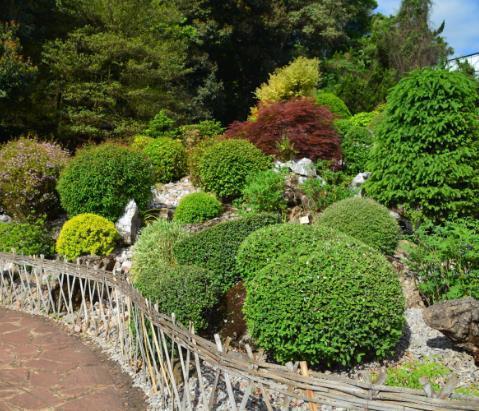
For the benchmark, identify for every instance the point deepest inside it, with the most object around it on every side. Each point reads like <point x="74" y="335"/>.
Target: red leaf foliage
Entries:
<point x="308" y="126"/>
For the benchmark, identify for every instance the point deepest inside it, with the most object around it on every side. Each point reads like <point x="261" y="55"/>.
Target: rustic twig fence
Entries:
<point x="190" y="372"/>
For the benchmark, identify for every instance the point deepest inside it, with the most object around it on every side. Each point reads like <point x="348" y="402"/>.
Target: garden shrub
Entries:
<point x="29" y="170"/>
<point x="140" y="142"/>
<point x="337" y="302"/>
<point x="192" y="134"/>
<point x="168" y="157"/>
<point x="225" y="166"/>
<point x="215" y="248"/>
<point x="87" y="234"/>
<point x="196" y="208"/>
<point x="365" y="220"/>
<point x="356" y="146"/>
<point x="264" y="192"/>
<point x="188" y="292"/>
<point x="25" y="239"/>
<point x="321" y="194"/>
<point x="153" y="249"/>
<point x="445" y="260"/>
<point x="337" y="106"/>
<point x="363" y="119"/>
<point x="426" y="152"/>
<point x="297" y="79"/>
<point x="103" y="179"/>
<point x="265" y="245"/>
<point x="307" y="126"/>
<point x="162" y="125"/>
<point x="194" y="156"/>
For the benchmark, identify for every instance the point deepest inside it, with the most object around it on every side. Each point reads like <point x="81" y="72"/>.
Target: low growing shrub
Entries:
<point x="188" y="292"/>
<point x="445" y="260"/>
<point x="321" y="194"/>
<point x="215" y="248"/>
<point x="25" y="239"/>
<point x="264" y="192"/>
<point x="356" y="146"/>
<point x="337" y="106"/>
<point x="140" y="142"/>
<point x="168" y="157"/>
<point x="196" y="208"/>
<point x="365" y="220"/>
<point x="307" y="127"/>
<point x="225" y="166"/>
<point x="87" y="234"/>
<point x="103" y="179"/>
<point x="192" y="134"/>
<point x="194" y="156"/>
<point x="265" y="245"/>
<point x="338" y="302"/>
<point x="162" y="125"/>
<point x="29" y="170"/>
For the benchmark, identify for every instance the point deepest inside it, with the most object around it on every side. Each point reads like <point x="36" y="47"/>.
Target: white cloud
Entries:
<point x="462" y="28"/>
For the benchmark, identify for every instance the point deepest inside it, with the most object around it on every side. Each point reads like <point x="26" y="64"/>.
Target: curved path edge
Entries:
<point x="43" y="366"/>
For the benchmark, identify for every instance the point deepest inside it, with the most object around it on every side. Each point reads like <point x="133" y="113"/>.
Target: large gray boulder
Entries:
<point x="459" y="321"/>
<point x="129" y="223"/>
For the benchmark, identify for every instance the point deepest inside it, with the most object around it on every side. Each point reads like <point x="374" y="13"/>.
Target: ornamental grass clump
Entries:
<point x="29" y="170"/>
<point x="364" y="219"/>
<point x="225" y="166"/>
<point x="25" y="239"/>
<point x="87" y="234"/>
<point x="196" y="208"/>
<point x="337" y="302"/>
<point x="215" y="248"/>
<point x="103" y="179"/>
<point x="426" y="153"/>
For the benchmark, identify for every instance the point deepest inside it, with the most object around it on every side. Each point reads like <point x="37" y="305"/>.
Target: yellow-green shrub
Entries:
<point x="87" y="234"/>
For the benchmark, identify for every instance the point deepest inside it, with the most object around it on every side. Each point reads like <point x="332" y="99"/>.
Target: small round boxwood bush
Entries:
<point x="196" y="208"/>
<point x="168" y="157"/>
<point x="25" y="239"/>
<point x="215" y="248"/>
<point x="154" y="248"/>
<point x="338" y="302"/>
<point x="334" y="103"/>
<point x="103" y="179"/>
<point x="265" y="245"/>
<point x="225" y="166"/>
<point x="188" y="292"/>
<point x="87" y="234"/>
<point x="194" y="156"/>
<point x="29" y="170"/>
<point x="365" y="220"/>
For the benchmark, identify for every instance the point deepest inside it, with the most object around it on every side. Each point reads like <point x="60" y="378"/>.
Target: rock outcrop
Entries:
<point x="459" y="321"/>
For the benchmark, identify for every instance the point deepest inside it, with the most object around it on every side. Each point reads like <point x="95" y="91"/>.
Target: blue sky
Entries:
<point x="462" y="21"/>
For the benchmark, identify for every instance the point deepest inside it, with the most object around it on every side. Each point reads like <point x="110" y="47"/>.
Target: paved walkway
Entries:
<point x="43" y="367"/>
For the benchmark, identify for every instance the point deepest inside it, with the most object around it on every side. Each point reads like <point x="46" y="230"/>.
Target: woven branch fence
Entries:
<point x="187" y="371"/>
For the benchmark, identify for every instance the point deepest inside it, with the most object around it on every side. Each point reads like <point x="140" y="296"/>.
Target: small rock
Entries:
<point x="304" y="167"/>
<point x="129" y="223"/>
<point x="458" y="320"/>
<point x="77" y="328"/>
<point x="5" y="218"/>
<point x="304" y="220"/>
<point x="359" y="180"/>
<point x="169" y="195"/>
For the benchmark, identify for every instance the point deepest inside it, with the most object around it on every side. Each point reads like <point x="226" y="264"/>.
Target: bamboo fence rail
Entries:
<point x="187" y="371"/>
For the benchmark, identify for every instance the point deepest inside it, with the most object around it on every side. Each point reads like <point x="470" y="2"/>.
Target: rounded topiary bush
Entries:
<point x="25" y="239"/>
<point x="168" y="157"/>
<point x="365" y="220"/>
<point x="426" y="152"/>
<point x="194" y="156"/>
<point x="337" y="106"/>
<point x="225" y="166"/>
<point x="337" y="302"/>
<point x="188" y="292"/>
<point x="87" y="234"/>
<point x="215" y="248"/>
<point x="196" y="208"/>
<point x="154" y="248"/>
<point x="265" y="245"/>
<point x="103" y="179"/>
<point x="29" y="170"/>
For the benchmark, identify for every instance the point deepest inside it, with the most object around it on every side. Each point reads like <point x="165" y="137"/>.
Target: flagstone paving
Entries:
<point x="44" y="367"/>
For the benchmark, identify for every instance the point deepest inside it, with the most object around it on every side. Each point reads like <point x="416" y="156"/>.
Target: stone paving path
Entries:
<point x="43" y="367"/>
